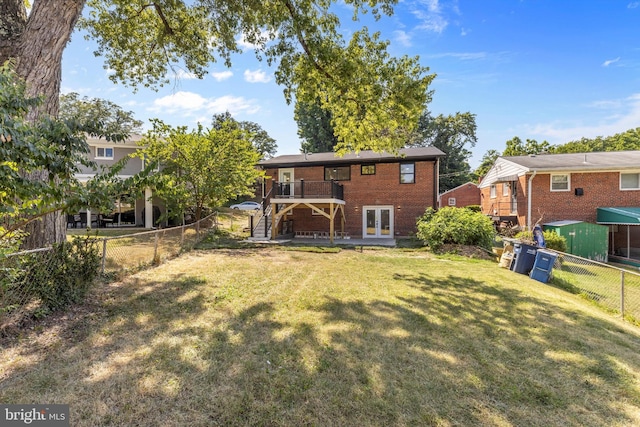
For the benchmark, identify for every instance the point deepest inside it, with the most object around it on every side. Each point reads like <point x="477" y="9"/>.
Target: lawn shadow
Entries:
<point x="450" y="351"/>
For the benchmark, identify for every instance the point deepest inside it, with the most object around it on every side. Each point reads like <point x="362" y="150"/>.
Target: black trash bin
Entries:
<point x="524" y="258"/>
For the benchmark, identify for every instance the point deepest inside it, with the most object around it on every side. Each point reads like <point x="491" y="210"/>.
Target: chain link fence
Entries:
<point x="122" y="255"/>
<point x="31" y="280"/>
<point x="614" y="289"/>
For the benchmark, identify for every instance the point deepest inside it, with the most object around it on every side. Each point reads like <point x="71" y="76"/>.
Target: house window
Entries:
<point x="505" y="189"/>
<point x="338" y="173"/>
<point x="368" y="170"/>
<point x="452" y="201"/>
<point x="492" y="191"/>
<point x="560" y="182"/>
<point x="316" y="213"/>
<point x="630" y="181"/>
<point x="104" y="153"/>
<point x="407" y="173"/>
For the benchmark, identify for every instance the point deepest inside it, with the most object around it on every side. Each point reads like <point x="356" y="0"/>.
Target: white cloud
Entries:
<point x="193" y="105"/>
<point x="403" y="38"/>
<point x="633" y="5"/>
<point x="257" y="76"/>
<point x="617" y="116"/>
<point x="430" y="15"/>
<point x="184" y="75"/>
<point x="610" y="61"/>
<point x="222" y="75"/>
<point x="463" y="56"/>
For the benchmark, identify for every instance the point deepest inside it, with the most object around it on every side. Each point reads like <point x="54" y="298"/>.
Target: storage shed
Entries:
<point x="583" y="238"/>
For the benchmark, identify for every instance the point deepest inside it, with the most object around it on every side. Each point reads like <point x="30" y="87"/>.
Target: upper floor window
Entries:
<point x="338" y="173"/>
<point x="452" y="201"/>
<point x="560" y="182"/>
<point x="492" y="191"/>
<point x="368" y="170"/>
<point x="505" y="189"/>
<point x="407" y="173"/>
<point x="630" y="181"/>
<point x="104" y="153"/>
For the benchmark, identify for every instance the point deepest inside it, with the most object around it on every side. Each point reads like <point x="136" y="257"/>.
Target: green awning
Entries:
<point x="618" y="216"/>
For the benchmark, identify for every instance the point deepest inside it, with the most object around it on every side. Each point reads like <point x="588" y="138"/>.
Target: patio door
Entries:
<point x="285" y="178"/>
<point x="377" y="221"/>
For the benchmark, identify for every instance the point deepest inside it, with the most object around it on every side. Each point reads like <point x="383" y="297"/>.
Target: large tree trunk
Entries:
<point x="37" y="49"/>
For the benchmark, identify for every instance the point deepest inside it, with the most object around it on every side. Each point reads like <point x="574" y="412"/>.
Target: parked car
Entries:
<point x="247" y="206"/>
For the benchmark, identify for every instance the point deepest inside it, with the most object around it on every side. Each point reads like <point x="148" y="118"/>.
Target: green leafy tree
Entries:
<point x="515" y="147"/>
<point x="314" y="127"/>
<point x="455" y="135"/>
<point x="99" y="113"/>
<point x="51" y="148"/>
<point x="202" y="168"/>
<point x="629" y="140"/>
<point x="374" y="99"/>
<point x="260" y="139"/>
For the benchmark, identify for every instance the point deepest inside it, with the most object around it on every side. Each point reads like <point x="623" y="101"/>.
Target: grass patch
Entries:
<point x="270" y="336"/>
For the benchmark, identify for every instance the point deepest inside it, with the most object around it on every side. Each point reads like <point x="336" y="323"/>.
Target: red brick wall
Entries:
<point x="601" y="189"/>
<point x="465" y="195"/>
<point x="409" y="201"/>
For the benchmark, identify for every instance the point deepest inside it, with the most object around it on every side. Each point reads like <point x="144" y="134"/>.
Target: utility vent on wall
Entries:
<point x="579" y="191"/>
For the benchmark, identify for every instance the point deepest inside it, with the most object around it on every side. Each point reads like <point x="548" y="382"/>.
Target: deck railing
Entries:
<point x="308" y="190"/>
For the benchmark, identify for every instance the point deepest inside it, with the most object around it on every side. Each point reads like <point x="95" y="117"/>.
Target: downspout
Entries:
<point x="529" y="201"/>
<point x="436" y="179"/>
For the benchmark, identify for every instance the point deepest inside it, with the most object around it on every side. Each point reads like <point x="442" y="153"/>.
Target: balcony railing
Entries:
<point x="308" y="190"/>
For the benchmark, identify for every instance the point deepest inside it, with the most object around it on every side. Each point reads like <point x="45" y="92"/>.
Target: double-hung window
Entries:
<point x="407" y="173"/>
<point x="630" y="181"/>
<point x="105" y="153"/>
<point x="560" y="182"/>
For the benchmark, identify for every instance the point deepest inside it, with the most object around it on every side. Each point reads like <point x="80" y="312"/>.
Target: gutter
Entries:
<point x="529" y="200"/>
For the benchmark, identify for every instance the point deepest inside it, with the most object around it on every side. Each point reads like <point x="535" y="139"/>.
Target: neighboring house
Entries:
<point x="590" y="187"/>
<point x="463" y="195"/>
<point x="368" y="195"/>
<point x="142" y="212"/>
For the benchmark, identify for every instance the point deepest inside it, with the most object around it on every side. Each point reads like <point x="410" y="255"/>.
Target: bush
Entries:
<point x="70" y="270"/>
<point x="457" y="226"/>
<point x="552" y="239"/>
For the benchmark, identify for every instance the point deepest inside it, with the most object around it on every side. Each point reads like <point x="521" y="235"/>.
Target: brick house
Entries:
<point x="577" y="186"/>
<point x="467" y="194"/>
<point x="368" y="195"/>
<point x="142" y="212"/>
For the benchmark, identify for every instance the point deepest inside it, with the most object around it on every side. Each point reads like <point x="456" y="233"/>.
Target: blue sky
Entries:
<point x="554" y="70"/>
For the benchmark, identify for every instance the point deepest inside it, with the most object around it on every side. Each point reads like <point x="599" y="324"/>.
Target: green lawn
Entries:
<point x="265" y="336"/>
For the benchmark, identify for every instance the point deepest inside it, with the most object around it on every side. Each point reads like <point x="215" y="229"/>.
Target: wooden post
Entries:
<point x="273" y="222"/>
<point x="332" y="226"/>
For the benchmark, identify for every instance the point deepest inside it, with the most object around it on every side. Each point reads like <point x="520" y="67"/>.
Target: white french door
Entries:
<point x="377" y="221"/>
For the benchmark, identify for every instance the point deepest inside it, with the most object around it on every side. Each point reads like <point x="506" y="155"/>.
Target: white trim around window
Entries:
<point x="104" y="153"/>
<point x="629" y="181"/>
<point x="492" y="191"/>
<point x="560" y="182"/>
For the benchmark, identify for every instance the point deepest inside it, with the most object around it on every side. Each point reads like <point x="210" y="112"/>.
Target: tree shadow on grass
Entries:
<point x="456" y="351"/>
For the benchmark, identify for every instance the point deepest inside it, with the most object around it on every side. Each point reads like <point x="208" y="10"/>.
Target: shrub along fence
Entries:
<point x="615" y="289"/>
<point x="33" y="283"/>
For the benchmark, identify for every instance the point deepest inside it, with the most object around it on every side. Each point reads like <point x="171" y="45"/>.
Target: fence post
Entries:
<point x="622" y="293"/>
<point x="155" y="247"/>
<point x="104" y="254"/>
<point x="182" y="237"/>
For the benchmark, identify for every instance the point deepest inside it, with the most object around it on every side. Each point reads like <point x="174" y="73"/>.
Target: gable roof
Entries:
<point x="510" y="167"/>
<point x="466" y="184"/>
<point x="605" y="160"/>
<point x="368" y="156"/>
